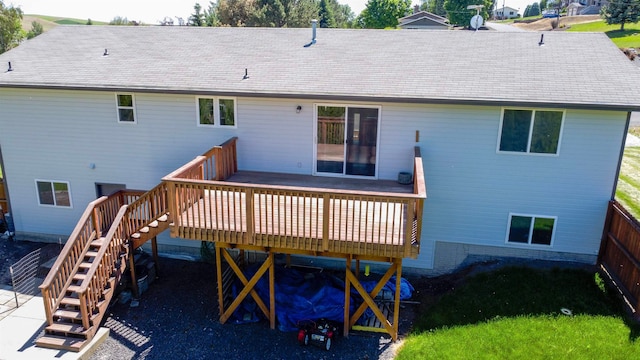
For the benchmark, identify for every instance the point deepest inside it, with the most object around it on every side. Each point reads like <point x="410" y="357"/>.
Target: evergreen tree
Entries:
<point x="543" y="4"/>
<point x="89" y="22"/>
<point x="527" y="11"/>
<point x="11" y="33"/>
<point x="269" y="13"/>
<point x="327" y="20"/>
<point x="621" y="12"/>
<point x="535" y="9"/>
<point x="197" y="18"/>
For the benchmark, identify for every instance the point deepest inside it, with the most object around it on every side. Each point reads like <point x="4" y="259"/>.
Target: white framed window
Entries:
<point x="529" y="229"/>
<point x="527" y="131"/>
<point x="53" y="193"/>
<point x="216" y="112"/>
<point x="126" y="106"/>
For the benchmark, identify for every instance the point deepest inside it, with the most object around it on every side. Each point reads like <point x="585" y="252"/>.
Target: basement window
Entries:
<point x="216" y="112"/>
<point x="126" y="108"/>
<point x="53" y="193"/>
<point x="530" y="131"/>
<point x="531" y="229"/>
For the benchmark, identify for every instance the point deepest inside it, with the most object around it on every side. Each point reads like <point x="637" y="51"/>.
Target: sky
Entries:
<point x="152" y="11"/>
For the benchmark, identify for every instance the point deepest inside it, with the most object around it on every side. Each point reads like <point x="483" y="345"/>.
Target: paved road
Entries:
<point x="503" y="27"/>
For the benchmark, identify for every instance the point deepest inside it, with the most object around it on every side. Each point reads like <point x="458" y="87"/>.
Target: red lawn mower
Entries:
<point x="320" y="333"/>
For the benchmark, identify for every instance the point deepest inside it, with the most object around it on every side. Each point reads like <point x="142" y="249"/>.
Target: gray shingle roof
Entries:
<point x="460" y="67"/>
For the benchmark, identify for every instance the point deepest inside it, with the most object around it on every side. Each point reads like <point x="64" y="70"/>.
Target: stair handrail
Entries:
<point x="69" y="259"/>
<point x="98" y="275"/>
<point x="147" y="208"/>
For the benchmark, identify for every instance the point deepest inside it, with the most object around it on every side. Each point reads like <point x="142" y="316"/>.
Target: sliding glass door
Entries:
<point x="347" y="140"/>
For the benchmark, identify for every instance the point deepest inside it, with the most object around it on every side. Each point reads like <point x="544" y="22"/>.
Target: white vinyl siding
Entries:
<point x="471" y="188"/>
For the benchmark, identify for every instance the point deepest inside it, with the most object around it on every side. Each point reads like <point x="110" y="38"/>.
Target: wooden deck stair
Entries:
<point x="66" y="332"/>
<point x="82" y="282"/>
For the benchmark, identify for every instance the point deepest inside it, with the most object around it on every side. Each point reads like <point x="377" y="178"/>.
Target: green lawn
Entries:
<point x="515" y="313"/>
<point x="630" y="37"/>
<point x="628" y="190"/>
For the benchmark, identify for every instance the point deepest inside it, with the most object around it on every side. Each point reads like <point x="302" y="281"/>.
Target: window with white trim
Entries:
<point x="53" y="193"/>
<point x="530" y="131"/>
<point x="531" y="229"/>
<point x="125" y="104"/>
<point x="216" y="111"/>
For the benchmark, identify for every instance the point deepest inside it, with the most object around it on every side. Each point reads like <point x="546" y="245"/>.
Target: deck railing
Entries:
<point x="148" y="207"/>
<point x="298" y="218"/>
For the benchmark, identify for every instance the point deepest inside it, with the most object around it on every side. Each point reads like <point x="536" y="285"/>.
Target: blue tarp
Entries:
<point x="306" y="295"/>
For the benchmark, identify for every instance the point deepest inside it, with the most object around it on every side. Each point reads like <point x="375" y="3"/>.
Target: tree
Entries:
<point x="118" y="20"/>
<point x="543" y="4"/>
<point x="36" y="29"/>
<point x="327" y="20"/>
<point x="235" y="12"/>
<point x="301" y="12"/>
<point x="527" y="11"/>
<point x="621" y="12"/>
<point x="269" y="13"/>
<point x="380" y="14"/>
<point x="535" y="9"/>
<point x="11" y="33"/>
<point x="89" y="22"/>
<point x="211" y="15"/>
<point x="434" y="7"/>
<point x="458" y="13"/>
<point x="197" y="18"/>
<point x="342" y="13"/>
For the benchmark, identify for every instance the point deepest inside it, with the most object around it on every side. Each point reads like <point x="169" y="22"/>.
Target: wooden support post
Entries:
<point x="272" y="292"/>
<point x="156" y="258"/>
<point x="219" y="276"/>
<point x="132" y="271"/>
<point x="347" y="297"/>
<point x="396" y="299"/>
<point x="358" y="268"/>
<point x="288" y="260"/>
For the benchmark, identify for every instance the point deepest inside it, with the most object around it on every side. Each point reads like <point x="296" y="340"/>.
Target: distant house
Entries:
<point x="574" y="9"/>
<point x="583" y="7"/>
<point x="505" y="13"/>
<point x="424" y="20"/>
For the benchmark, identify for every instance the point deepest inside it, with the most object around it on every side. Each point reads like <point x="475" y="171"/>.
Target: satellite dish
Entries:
<point x="476" y="22"/>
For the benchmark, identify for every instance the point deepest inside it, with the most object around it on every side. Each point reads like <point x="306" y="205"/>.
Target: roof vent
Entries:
<point x="541" y="40"/>
<point x="314" y="24"/>
<point x="10" y="68"/>
<point x="106" y="52"/>
<point x="246" y="74"/>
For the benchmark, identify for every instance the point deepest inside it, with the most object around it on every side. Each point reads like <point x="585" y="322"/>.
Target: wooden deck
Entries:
<point x="292" y="218"/>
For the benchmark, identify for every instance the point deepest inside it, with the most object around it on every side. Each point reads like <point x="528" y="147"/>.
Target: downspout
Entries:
<point x="624" y="141"/>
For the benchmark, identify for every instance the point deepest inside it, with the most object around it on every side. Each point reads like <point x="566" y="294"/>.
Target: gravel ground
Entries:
<point x="12" y="251"/>
<point x="178" y="318"/>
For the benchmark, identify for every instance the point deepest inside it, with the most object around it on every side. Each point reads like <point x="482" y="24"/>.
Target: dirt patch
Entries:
<point x="565" y="21"/>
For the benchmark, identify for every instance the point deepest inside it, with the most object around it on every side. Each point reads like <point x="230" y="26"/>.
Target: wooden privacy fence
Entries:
<point x="620" y="253"/>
